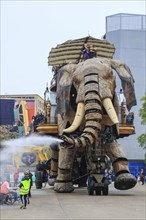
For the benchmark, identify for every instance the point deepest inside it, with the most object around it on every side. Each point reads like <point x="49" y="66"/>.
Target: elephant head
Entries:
<point x="84" y="91"/>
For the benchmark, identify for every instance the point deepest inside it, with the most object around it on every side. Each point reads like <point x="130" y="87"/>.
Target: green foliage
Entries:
<point x="142" y="140"/>
<point x="3" y="138"/>
<point x="142" y="113"/>
<point x="5" y="134"/>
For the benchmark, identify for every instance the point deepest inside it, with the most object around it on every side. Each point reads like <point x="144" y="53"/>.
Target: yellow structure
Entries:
<point x="23" y="114"/>
<point x="30" y="156"/>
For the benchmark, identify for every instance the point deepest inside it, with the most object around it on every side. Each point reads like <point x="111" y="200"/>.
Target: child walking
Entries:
<point x="24" y="190"/>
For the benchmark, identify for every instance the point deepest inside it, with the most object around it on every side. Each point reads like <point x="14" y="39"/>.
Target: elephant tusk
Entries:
<point x="111" y="111"/>
<point x="78" y="118"/>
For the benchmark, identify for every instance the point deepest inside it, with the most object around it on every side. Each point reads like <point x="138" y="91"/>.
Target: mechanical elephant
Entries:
<point x="86" y="105"/>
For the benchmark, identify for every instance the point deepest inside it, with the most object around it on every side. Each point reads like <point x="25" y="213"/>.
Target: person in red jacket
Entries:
<point x="4" y="189"/>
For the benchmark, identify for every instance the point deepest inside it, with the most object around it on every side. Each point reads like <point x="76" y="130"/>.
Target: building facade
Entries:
<point x="18" y="110"/>
<point x="38" y="101"/>
<point x="128" y="33"/>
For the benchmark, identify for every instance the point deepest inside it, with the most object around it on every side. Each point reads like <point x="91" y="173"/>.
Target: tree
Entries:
<point x="142" y="113"/>
<point x="6" y="134"/>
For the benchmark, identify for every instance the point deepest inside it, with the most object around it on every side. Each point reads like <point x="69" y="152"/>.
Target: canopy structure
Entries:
<point x="71" y="51"/>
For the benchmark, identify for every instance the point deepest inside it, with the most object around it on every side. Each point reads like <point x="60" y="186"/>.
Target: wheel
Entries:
<point x="98" y="191"/>
<point x="1" y="202"/>
<point x="90" y="187"/>
<point x="105" y="190"/>
<point x="38" y="181"/>
<point x="2" y="199"/>
<point x="10" y="198"/>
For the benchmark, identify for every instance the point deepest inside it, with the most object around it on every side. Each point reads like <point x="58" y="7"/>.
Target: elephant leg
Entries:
<point x="63" y="182"/>
<point x="124" y="180"/>
<point x="54" y="167"/>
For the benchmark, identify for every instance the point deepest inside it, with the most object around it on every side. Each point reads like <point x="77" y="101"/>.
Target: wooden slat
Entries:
<point x="68" y="50"/>
<point x="72" y="50"/>
<point x="47" y="128"/>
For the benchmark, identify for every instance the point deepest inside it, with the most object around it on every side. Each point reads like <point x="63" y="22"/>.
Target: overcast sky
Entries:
<point x="29" y="29"/>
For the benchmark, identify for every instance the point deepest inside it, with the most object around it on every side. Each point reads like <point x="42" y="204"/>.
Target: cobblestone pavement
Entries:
<point x="45" y="204"/>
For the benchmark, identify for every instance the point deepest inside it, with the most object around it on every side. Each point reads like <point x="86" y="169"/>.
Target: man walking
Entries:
<point x="31" y="182"/>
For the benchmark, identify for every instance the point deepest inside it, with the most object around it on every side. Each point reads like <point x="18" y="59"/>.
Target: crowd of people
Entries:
<point x="23" y="184"/>
<point x="39" y="118"/>
<point x="140" y="176"/>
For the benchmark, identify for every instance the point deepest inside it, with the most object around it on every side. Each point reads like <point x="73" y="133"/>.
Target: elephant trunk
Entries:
<point x="93" y="113"/>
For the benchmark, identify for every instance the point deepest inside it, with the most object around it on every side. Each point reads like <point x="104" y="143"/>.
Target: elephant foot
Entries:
<point x="63" y="187"/>
<point x="125" y="181"/>
<point x="51" y="181"/>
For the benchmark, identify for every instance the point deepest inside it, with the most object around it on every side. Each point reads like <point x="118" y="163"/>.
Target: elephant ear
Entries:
<point x="127" y="82"/>
<point x="64" y="84"/>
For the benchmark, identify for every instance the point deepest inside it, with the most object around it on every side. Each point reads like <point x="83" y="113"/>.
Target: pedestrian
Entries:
<point x="138" y="178"/>
<point x="136" y="174"/>
<point x="45" y="177"/>
<point x="24" y="190"/>
<point x="16" y="177"/>
<point x="142" y="176"/>
<point x="31" y="182"/>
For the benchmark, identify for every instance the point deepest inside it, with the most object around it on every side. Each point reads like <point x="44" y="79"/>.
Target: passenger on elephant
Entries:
<point x="86" y="52"/>
<point x="130" y="118"/>
<point x="92" y="51"/>
<point x="39" y="119"/>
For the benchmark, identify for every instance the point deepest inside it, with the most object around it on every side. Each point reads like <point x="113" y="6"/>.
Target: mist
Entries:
<point x="14" y="147"/>
<point x="33" y="140"/>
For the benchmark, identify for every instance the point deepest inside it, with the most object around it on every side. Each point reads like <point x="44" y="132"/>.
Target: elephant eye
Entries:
<point x="73" y="95"/>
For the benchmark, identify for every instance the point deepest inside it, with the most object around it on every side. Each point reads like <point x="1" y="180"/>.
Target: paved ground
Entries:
<point x="46" y="204"/>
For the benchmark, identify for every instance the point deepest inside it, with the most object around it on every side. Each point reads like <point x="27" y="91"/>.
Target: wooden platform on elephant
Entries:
<point x="71" y="51"/>
<point x="126" y="130"/>
<point x="47" y="128"/>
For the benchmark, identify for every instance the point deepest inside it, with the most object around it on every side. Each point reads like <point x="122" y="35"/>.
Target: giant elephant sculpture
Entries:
<point x="86" y="104"/>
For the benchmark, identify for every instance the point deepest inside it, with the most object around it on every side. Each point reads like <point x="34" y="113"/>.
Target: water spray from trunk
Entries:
<point x="33" y="140"/>
<point x="13" y="147"/>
